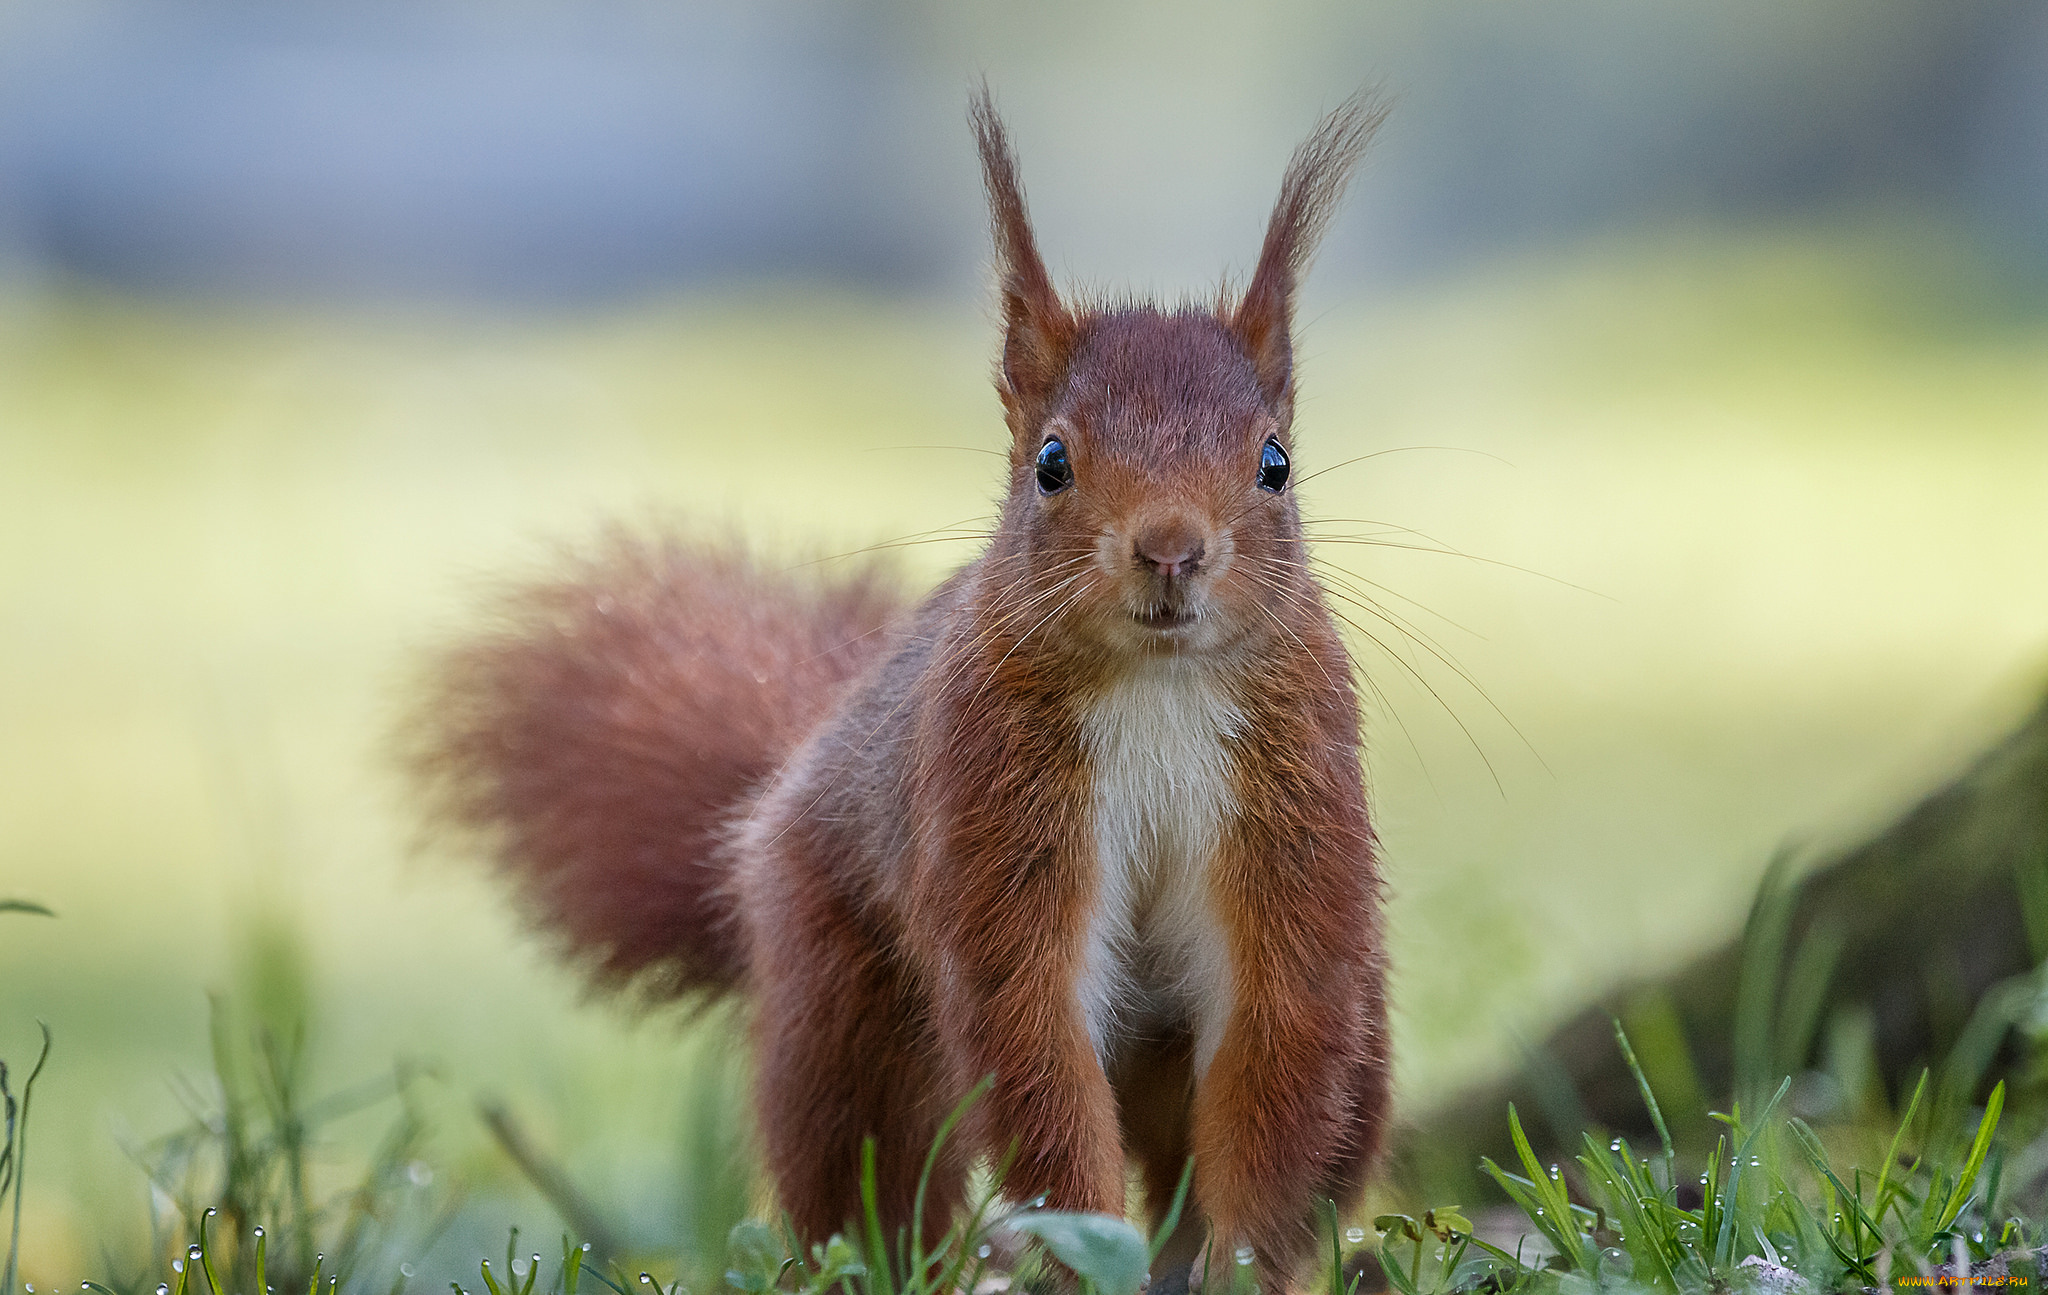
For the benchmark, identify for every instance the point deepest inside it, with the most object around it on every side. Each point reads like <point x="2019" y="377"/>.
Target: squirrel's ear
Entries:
<point x="1316" y="175"/>
<point x="1038" y="330"/>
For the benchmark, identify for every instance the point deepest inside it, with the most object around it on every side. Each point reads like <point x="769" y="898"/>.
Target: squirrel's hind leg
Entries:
<point x="841" y="1057"/>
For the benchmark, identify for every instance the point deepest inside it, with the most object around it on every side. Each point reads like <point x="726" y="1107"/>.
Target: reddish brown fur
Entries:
<point x="898" y="839"/>
<point x="605" y="727"/>
<point x="1292" y="1109"/>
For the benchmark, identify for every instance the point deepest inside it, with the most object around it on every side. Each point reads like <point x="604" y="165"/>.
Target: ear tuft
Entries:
<point x="1039" y="331"/>
<point x="1315" y="180"/>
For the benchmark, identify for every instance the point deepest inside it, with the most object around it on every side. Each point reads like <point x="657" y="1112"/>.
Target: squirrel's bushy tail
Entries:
<point x="606" y="731"/>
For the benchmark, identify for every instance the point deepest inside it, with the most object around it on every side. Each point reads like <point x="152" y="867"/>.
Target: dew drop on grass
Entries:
<point x="647" y="1279"/>
<point x="163" y="1288"/>
<point x="259" y="1233"/>
<point x="984" y="1251"/>
<point x="1756" y="1162"/>
<point x="1356" y="1236"/>
<point x="1614" y="1145"/>
<point x="1243" y="1256"/>
<point x="177" y="1265"/>
<point x="585" y="1247"/>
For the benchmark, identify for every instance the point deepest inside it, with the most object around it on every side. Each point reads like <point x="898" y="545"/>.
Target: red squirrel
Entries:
<point x="1089" y="818"/>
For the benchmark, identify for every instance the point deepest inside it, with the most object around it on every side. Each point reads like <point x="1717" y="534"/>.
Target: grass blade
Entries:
<point x="1764" y="939"/>
<point x="881" y="1279"/>
<point x="1336" y="1244"/>
<point x="1531" y="1200"/>
<point x="1171" y="1219"/>
<point x="206" y="1256"/>
<point x="1608" y="1173"/>
<point x="548" y="1177"/>
<point x="1628" y="1055"/>
<point x="950" y="1278"/>
<point x="1891" y="1155"/>
<point x="931" y="1160"/>
<point x="1849" y="1201"/>
<point x="17" y="1152"/>
<point x="1554" y="1205"/>
<point x="1964" y="1181"/>
<point x="1731" y="1206"/>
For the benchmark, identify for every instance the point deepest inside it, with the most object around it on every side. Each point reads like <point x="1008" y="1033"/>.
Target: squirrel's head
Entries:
<point x="1151" y="458"/>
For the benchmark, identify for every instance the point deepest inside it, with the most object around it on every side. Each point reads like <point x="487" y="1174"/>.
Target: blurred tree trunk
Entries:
<point x="1904" y="952"/>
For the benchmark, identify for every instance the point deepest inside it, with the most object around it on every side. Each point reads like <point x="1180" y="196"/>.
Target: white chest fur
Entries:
<point x="1156" y="954"/>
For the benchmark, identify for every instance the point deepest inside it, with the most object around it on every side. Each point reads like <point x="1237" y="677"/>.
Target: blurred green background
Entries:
<point x="1751" y="466"/>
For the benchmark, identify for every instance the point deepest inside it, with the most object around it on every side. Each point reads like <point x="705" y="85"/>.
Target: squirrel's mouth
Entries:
<point x="1165" y="618"/>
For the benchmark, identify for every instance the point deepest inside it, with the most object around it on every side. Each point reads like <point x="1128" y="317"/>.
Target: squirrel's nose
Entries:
<point x="1172" y="549"/>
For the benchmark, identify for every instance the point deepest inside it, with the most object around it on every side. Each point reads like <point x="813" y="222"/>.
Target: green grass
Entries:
<point x="1772" y="1213"/>
<point x="1801" y="471"/>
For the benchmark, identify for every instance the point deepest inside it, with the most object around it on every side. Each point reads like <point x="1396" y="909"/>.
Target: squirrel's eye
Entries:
<point x="1054" y="472"/>
<point x="1272" y="466"/>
